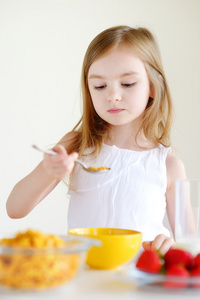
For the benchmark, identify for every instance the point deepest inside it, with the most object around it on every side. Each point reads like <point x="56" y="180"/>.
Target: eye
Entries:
<point x="128" y="84"/>
<point x="100" y="87"/>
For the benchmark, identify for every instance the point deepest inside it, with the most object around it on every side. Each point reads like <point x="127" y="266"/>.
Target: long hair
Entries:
<point x="156" y="124"/>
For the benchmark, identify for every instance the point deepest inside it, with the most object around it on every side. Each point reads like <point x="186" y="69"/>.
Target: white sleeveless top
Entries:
<point x="131" y="195"/>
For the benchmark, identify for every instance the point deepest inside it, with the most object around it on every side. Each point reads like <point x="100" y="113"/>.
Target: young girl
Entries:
<point x="127" y="112"/>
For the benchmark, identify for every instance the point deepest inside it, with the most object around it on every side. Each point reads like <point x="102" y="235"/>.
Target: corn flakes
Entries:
<point x="43" y="267"/>
<point x="99" y="169"/>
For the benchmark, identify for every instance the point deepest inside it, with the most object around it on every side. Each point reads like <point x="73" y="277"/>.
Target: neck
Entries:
<point x="125" y="137"/>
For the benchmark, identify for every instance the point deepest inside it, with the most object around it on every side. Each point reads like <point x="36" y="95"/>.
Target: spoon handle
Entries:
<point x="44" y="150"/>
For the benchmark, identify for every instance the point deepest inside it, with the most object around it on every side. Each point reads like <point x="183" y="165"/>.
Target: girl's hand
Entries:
<point x="61" y="165"/>
<point x="161" y="242"/>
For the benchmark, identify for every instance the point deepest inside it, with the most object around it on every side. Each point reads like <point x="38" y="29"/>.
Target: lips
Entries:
<point x="115" y="110"/>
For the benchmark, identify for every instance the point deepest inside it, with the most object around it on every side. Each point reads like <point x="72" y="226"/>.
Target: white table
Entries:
<point x="93" y="284"/>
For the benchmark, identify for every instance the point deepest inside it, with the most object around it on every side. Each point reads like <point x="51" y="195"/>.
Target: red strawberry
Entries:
<point x="178" y="256"/>
<point x="176" y="270"/>
<point x="149" y="261"/>
<point x="197" y="261"/>
<point x="196" y="273"/>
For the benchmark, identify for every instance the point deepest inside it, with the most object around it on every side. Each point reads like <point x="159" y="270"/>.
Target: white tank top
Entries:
<point x="131" y="195"/>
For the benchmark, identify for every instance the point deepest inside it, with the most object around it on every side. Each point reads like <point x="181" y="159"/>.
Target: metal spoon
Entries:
<point x="86" y="168"/>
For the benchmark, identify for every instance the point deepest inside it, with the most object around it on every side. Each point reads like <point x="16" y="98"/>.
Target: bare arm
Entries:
<point x="29" y="191"/>
<point x="175" y="170"/>
<point x="32" y="189"/>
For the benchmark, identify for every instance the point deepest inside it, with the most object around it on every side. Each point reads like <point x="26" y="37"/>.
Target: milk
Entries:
<point x="191" y="245"/>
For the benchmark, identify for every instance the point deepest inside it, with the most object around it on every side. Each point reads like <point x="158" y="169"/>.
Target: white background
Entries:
<point x="42" y="44"/>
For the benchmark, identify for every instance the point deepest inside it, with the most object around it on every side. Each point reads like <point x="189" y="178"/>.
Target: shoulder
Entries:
<point x="175" y="168"/>
<point x="68" y="138"/>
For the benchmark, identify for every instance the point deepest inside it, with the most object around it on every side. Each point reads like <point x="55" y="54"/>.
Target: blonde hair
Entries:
<point x="91" y="129"/>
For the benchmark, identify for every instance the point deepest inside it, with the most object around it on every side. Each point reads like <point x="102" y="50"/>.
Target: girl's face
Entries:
<point x="119" y="87"/>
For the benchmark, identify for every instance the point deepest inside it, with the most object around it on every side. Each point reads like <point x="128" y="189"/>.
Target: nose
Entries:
<point x="114" y="95"/>
<point x="115" y="99"/>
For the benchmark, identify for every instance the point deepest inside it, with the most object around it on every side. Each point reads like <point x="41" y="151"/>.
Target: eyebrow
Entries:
<point x="121" y="75"/>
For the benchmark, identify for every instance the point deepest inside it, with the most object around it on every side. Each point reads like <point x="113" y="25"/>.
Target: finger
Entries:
<point x="74" y="155"/>
<point x="166" y="245"/>
<point x="158" y="241"/>
<point x="64" y="166"/>
<point x="146" y="245"/>
<point x="61" y="154"/>
<point x="60" y="149"/>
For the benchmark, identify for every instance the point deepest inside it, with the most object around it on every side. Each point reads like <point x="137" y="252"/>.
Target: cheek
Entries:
<point x="93" y="95"/>
<point x="139" y="100"/>
<point x="97" y="102"/>
<point x="143" y="93"/>
<point x="98" y="106"/>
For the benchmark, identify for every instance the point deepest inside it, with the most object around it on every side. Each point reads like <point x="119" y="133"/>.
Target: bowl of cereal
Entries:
<point x="33" y="260"/>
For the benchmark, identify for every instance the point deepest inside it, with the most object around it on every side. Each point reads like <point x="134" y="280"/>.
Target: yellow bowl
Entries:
<point x="118" y="246"/>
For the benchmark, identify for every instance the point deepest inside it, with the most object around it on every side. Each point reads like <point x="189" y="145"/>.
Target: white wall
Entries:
<point x="42" y="44"/>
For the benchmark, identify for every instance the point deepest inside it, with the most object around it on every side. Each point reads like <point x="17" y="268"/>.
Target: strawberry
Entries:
<point x="176" y="270"/>
<point x="196" y="273"/>
<point x="178" y="256"/>
<point x="149" y="261"/>
<point x="197" y="261"/>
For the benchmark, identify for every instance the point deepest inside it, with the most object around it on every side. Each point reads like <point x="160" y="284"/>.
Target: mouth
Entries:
<point x="115" y="110"/>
